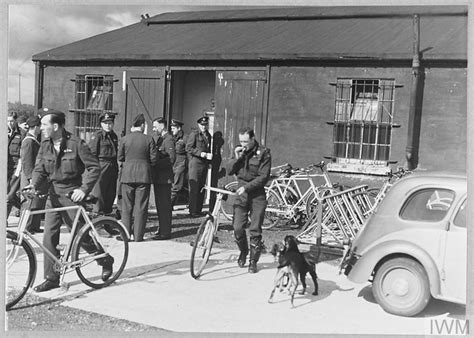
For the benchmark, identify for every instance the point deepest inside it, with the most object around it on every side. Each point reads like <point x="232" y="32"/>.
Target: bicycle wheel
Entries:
<point x="20" y="269"/>
<point x="202" y="247"/>
<point x="89" y="244"/>
<point x="227" y="204"/>
<point x="274" y="212"/>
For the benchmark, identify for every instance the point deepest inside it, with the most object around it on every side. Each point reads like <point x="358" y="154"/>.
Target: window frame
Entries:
<point x="93" y="95"/>
<point x="365" y="143"/>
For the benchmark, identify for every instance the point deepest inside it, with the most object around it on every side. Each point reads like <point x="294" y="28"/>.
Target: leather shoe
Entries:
<point x="35" y="231"/>
<point x="107" y="267"/>
<point x="46" y="286"/>
<point x="197" y="214"/>
<point x="160" y="237"/>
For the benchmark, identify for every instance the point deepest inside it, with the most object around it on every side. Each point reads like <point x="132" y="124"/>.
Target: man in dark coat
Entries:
<point x="198" y="148"/>
<point x="104" y="144"/>
<point x="180" y="167"/>
<point x="62" y="160"/>
<point x="252" y="165"/>
<point x="28" y="153"/>
<point x="163" y="177"/>
<point x="13" y="163"/>
<point x="137" y="151"/>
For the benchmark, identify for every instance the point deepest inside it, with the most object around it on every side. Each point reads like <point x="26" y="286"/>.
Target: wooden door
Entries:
<point x="145" y="95"/>
<point x="240" y="102"/>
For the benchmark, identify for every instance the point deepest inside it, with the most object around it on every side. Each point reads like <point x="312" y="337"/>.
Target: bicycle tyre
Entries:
<point x="272" y="218"/>
<point x="90" y="271"/>
<point x="202" y="247"/>
<point x="20" y="269"/>
<point x="227" y="204"/>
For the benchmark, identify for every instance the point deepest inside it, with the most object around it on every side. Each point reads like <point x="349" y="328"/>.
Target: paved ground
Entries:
<point x="156" y="289"/>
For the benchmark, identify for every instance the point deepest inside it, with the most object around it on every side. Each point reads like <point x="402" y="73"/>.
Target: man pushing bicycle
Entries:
<point x="252" y="165"/>
<point x="62" y="160"/>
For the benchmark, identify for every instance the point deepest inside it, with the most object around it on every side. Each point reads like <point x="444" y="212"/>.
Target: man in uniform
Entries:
<point x="137" y="151"/>
<point x="163" y="177"/>
<point x="181" y="162"/>
<point x="198" y="148"/>
<point x="104" y="144"/>
<point x="29" y="150"/>
<point x="62" y="160"/>
<point x="251" y="164"/>
<point x="13" y="163"/>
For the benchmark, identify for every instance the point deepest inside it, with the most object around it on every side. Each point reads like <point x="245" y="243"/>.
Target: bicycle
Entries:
<point x="287" y="202"/>
<point x="92" y="242"/>
<point x="206" y="234"/>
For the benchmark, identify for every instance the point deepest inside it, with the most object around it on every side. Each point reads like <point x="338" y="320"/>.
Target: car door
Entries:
<point x="453" y="275"/>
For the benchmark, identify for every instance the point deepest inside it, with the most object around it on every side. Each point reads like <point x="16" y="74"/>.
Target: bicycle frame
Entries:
<point x="62" y="261"/>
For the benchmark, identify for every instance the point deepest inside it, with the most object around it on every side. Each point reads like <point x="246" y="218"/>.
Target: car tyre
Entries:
<point x="401" y="287"/>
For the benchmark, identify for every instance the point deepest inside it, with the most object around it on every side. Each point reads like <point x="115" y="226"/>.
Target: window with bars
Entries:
<point x="363" y="120"/>
<point x="93" y="96"/>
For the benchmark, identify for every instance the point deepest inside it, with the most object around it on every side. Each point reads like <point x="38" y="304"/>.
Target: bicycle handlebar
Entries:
<point x="219" y="190"/>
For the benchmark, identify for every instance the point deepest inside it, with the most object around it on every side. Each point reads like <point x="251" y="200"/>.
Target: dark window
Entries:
<point x="363" y="120"/>
<point x="94" y="95"/>
<point x="461" y="217"/>
<point x="429" y="205"/>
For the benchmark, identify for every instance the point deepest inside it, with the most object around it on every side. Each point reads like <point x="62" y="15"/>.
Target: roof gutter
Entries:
<point x="148" y="21"/>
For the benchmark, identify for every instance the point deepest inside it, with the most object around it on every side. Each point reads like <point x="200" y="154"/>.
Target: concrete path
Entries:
<point x="157" y="289"/>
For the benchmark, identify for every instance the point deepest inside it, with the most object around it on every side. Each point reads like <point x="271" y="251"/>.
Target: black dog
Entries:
<point x="292" y="263"/>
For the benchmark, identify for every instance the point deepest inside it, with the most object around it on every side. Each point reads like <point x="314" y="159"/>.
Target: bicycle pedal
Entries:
<point x="64" y="287"/>
<point x="216" y="239"/>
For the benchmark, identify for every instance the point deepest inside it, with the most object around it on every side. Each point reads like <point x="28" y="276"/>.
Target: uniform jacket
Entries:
<point x="180" y="146"/>
<point x="137" y="151"/>
<point x="104" y="145"/>
<point x="14" y="146"/>
<point x="198" y="143"/>
<point x="166" y="156"/>
<point x="252" y="169"/>
<point x="29" y="150"/>
<point x="74" y="159"/>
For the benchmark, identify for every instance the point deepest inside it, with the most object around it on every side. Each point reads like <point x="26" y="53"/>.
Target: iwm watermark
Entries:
<point x="448" y="326"/>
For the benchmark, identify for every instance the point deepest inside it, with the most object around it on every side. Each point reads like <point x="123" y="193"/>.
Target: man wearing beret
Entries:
<point x="104" y="144"/>
<point x="163" y="177"/>
<point x="70" y="167"/>
<point x="251" y="164"/>
<point x="29" y="150"/>
<point x="137" y="151"/>
<point x="198" y="148"/>
<point x="15" y="136"/>
<point x="181" y="163"/>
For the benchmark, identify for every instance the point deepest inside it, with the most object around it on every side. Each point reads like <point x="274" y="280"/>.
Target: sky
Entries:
<point x="37" y="28"/>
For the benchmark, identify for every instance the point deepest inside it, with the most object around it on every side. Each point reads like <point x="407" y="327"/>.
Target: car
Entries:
<point x="414" y="245"/>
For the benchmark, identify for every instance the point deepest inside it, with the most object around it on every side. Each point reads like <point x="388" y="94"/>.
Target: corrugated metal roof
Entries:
<point x="279" y="34"/>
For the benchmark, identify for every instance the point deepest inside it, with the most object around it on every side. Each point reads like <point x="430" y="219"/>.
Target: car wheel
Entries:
<point x="401" y="287"/>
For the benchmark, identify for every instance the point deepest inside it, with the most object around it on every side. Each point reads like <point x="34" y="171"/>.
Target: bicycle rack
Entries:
<point x="339" y="216"/>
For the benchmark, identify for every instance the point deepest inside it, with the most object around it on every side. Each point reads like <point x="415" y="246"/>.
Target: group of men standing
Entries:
<point x="65" y="164"/>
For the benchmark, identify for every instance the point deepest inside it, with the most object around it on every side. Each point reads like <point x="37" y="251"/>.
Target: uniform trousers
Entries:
<point x="135" y="197"/>
<point x="253" y="203"/>
<point x="52" y="226"/>
<point x="163" y="207"/>
<point x="197" y="180"/>
<point x="179" y="171"/>
<point x="106" y="187"/>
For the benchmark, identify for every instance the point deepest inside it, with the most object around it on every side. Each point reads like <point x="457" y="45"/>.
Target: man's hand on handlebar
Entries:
<point x="240" y="191"/>
<point x="77" y="195"/>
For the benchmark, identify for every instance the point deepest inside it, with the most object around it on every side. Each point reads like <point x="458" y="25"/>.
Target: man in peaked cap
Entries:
<point x="163" y="177"/>
<point x="104" y="144"/>
<point x="198" y="148"/>
<point x="29" y="150"/>
<point x="137" y="152"/>
<point x="180" y="166"/>
<point x="67" y="163"/>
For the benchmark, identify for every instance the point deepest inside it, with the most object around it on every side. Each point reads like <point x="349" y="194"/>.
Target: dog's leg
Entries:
<point x="315" y="281"/>
<point x="292" y="286"/>
<point x="276" y="283"/>
<point x="303" y="282"/>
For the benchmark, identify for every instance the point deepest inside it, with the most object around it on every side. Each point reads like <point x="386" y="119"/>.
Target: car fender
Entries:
<point x="363" y="268"/>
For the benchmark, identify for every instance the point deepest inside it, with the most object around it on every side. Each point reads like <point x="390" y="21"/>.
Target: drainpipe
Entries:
<point x="412" y="147"/>
<point x="39" y="77"/>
